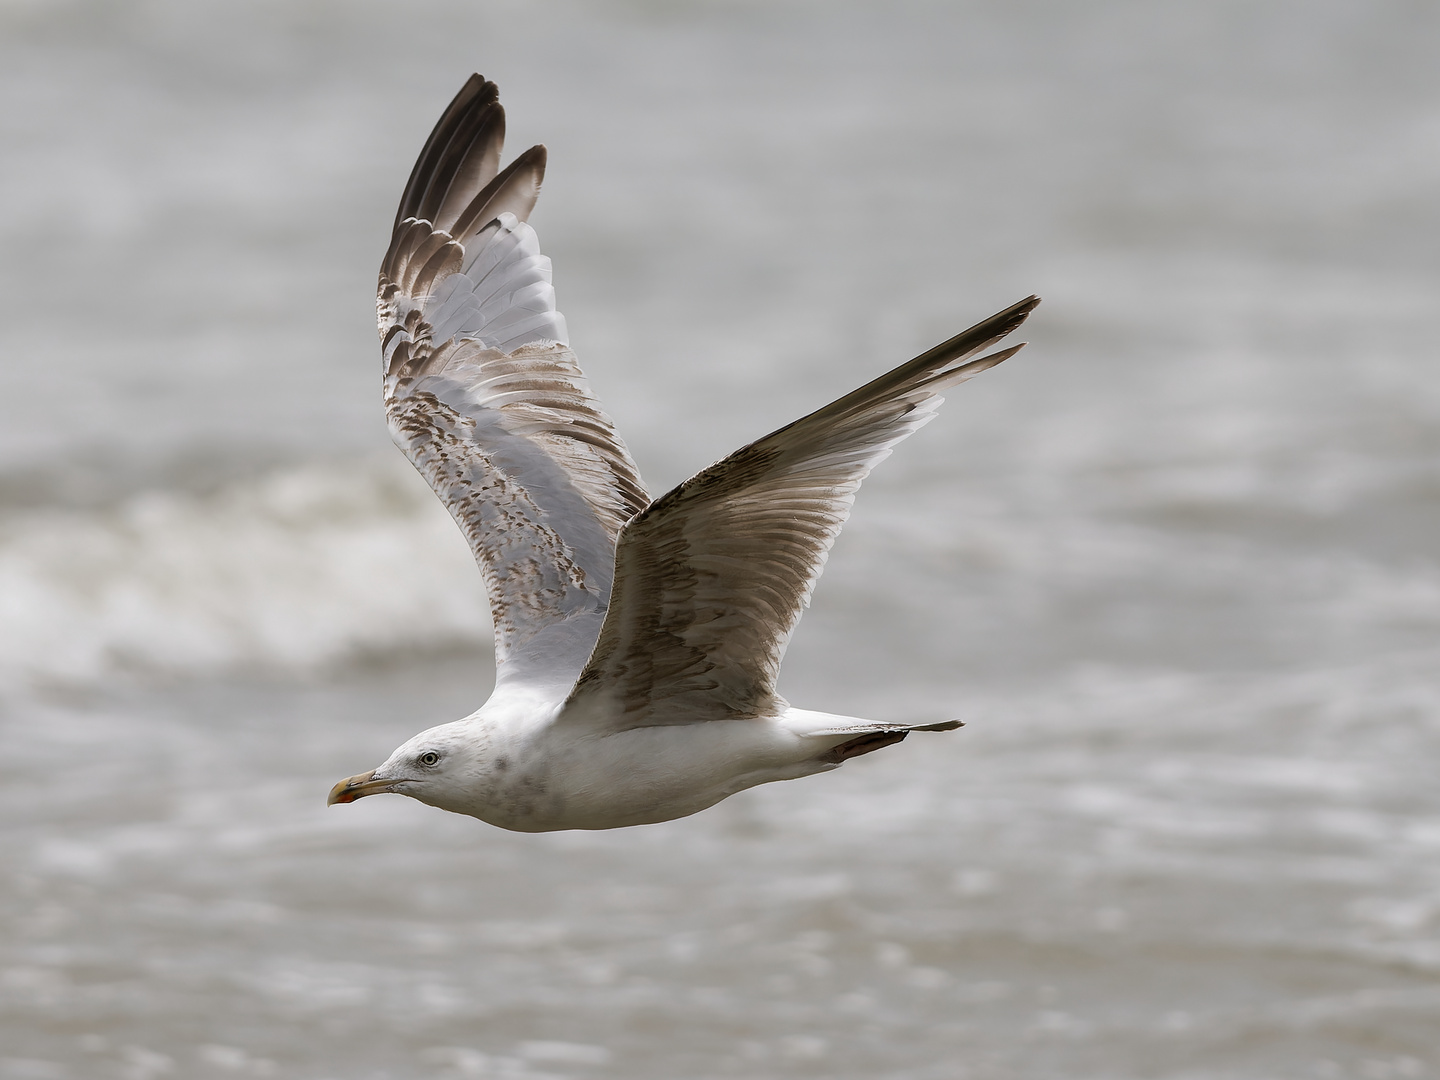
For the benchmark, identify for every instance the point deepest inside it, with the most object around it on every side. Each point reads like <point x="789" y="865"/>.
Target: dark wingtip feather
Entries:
<point x="477" y="95"/>
<point x="515" y="189"/>
<point x="950" y="376"/>
<point x="934" y="365"/>
<point x="997" y="326"/>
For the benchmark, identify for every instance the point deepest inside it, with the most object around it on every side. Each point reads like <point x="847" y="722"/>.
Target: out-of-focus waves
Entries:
<point x="292" y="571"/>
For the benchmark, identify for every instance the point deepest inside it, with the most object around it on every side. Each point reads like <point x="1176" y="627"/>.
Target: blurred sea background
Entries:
<point x="1175" y="564"/>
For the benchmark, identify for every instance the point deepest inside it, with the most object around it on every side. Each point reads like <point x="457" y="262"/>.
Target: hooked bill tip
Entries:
<point x="349" y="789"/>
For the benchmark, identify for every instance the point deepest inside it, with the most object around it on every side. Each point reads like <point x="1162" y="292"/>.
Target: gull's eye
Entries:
<point x="429" y="759"/>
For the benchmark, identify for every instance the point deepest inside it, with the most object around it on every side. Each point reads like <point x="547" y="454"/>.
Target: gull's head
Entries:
<point x="433" y="767"/>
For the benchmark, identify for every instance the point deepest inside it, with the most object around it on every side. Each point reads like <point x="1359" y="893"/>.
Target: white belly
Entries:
<point x="642" y="775"/>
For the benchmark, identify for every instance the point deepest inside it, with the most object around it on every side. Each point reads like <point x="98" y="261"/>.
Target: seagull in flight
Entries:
<point x="637" y="641"/>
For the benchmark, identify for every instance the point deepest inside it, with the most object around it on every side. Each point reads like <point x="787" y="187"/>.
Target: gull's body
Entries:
<point x="637" y="643"/>
<point x="523" y="764"/>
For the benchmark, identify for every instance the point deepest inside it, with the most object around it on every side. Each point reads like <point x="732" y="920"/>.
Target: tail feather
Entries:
<point x="852" y="735"/>
<point x="948" y="725"/>
<point x="865" y="744"/>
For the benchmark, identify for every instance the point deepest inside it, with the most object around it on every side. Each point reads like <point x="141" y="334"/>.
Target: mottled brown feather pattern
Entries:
<point x="514" y="444"/>
<point x="529" y="572"/>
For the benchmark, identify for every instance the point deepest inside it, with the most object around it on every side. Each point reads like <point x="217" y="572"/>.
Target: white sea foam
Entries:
<point x="296" y="569"/>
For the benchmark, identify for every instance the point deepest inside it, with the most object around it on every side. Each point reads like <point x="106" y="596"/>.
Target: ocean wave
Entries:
<point x="297" y="569"/>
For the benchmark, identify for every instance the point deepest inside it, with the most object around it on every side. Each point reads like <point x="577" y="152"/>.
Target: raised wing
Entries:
<point x="712" y="578"/>
<point x="487" y="401"/>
